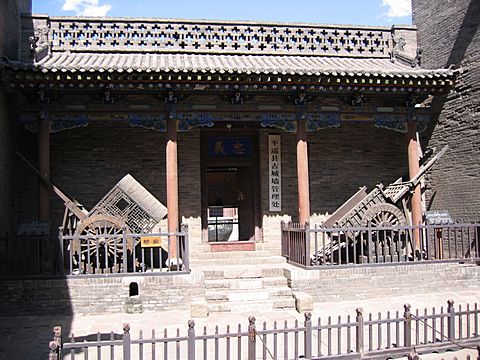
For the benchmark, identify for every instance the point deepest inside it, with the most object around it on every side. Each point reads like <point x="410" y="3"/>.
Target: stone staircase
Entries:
<point x="244" y="281"/>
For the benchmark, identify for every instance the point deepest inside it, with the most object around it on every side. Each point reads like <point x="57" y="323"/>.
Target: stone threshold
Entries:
<point x="223" y="246"/>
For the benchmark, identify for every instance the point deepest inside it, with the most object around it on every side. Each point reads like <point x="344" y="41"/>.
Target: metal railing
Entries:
<point x="121" y="252"/>
<point x="361" y="337"/>
<point x="319" y="247"/>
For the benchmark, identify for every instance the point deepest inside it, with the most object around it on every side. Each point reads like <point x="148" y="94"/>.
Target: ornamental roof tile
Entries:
<point x="117" y="45"/>
<point x="230" y="64"/>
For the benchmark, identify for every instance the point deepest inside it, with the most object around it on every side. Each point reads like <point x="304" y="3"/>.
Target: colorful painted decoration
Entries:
<point x="57" y="122"/>
<point x="187" y="121"/>
<point x="155" y="122"/>
<point x="285" y="122"/>
<point x="398" y="122"/>
<point x="322" y="120"/>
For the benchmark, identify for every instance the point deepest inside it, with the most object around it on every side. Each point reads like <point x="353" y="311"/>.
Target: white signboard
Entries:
<point x="275" y="172"/>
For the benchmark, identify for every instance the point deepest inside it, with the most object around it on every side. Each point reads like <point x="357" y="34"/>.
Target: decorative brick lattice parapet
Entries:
<point x="152" y="35"/>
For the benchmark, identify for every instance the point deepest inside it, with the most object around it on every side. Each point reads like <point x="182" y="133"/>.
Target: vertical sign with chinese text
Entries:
<point x="275" y="173"/>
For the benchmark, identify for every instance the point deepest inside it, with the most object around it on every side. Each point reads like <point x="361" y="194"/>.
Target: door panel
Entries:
<point x="245" y="197"/>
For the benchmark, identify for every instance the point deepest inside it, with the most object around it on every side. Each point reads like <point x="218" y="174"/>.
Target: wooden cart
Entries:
<point x="128" y="205"/>
<point x="382" y="206"/>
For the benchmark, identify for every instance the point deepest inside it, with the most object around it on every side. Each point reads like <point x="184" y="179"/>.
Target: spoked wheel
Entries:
<point x="100" y="246"/>
<point x="386" y="241"/>
<point x="384" y="215"/>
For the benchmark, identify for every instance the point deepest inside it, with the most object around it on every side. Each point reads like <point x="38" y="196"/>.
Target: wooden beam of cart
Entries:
<point x="73" y="205"/>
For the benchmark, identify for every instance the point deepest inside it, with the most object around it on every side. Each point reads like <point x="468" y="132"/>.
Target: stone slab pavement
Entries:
<point x="27" y="337"/>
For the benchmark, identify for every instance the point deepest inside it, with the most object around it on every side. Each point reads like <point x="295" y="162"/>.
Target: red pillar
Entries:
<point x="44" y="168"/>
<point x="413" y="166"/>
<point x="172" y="183"/>
<point x="302" y="173"/>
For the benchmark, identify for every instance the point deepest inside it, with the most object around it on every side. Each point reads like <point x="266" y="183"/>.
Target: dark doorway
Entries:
<point x="229" y="188"/>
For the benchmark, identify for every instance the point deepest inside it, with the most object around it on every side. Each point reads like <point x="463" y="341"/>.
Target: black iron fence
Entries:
<point x="319" y="247"/>
<point x="372" y="336"/>
<point x="110" y="252"/>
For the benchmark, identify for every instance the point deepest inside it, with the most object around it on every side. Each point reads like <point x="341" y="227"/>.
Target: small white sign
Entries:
<point x="275" y="172"/>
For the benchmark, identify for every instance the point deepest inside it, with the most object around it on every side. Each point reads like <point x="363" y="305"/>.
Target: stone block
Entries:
<point x="199" y="308"/>
<point x="303" y="301"/>
<point x="242" y="296"/>
<point x="133" y="305"/>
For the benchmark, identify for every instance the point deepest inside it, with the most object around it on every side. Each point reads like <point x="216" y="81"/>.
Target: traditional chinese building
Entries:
<point x="239" y="121"/>
<point x="229" y="127"/>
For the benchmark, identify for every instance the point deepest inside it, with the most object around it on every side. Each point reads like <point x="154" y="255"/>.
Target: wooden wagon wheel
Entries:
<point x="386" y="215"/>
<point x="383" y="215"/>
<point x="101" y="242"/>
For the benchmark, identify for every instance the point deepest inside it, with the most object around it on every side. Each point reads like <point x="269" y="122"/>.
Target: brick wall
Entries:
<point x="448" y="32"/>
<point x="340" y="161"/>
<point x="376" y="281"/>
<point x="87" y="162"/>
<point x="99" y="295"/>
<point x="10" y="11"/>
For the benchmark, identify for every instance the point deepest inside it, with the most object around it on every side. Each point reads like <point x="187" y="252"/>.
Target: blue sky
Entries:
<point x="365" y="12"/>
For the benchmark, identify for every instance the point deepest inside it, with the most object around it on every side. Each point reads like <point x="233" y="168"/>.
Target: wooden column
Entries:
<point x="44" y="167"/>
<point x="302" y="173"/>
<point x="172" y="184"/>
<point x="413" y="166"/>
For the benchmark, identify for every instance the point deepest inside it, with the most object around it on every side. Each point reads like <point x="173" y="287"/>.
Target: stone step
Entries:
<point x="273" y="293"/>
<point x="227" y="261"/>
<point x="237" y="284"/>
<point x="242" y="272"/>
<point x="232" y="255"/>
<point x="253" y="306"/>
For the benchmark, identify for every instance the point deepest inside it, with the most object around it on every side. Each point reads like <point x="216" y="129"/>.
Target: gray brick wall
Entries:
<point x="98" y="295"/>
<point x="377" y="281"/>
<point x="87" y="162"/>
<point x="448" y="31"/>
<point x="340" y="161"/>
<point x="10" y="11"/>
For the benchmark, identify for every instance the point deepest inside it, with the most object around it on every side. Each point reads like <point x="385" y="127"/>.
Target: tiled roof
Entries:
<point x="218" y="63"/>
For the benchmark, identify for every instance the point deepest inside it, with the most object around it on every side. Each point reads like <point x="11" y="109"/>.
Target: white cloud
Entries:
<point x="86" y="7"/>
<point x="398" y="8"/>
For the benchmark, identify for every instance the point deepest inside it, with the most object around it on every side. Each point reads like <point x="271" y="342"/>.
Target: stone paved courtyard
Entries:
<point x="27" y="337"/>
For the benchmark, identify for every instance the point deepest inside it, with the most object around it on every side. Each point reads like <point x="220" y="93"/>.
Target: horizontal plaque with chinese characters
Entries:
<point x="226" y="146"/>
<point x="275" y="172"/>
<point x="151" y="241"/>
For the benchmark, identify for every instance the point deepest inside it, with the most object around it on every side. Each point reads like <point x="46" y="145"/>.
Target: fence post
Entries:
<point x="407" y="327"/>
<point x="370" y="242"/>
<point x="307" y="244"/>
<point x="413" y="356"/>
<point x="282" y="238"/>
<point x="252" y="332"/>
<point x="126" y="341"/>
<point x="55" y="345"/>
<point x="186" y="255"/>
<point x="60" y="258"/>
<point x="125" y="252"/>
<point x="451" y="320"/>
<point x="359" y="330"/>
<point x="53" y="350"/>
<point x="191" y="340"/>
<point x="308" y="335"/>
<point x="57" y="335"/>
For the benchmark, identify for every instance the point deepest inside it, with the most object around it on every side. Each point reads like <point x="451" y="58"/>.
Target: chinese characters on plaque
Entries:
<point x="150" y="241"/>
<point x="223" y="146"/>
<point x="275" y="173"/>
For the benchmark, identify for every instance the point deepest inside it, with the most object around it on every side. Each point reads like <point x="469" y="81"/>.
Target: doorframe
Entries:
<point x="253" y="162"/>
